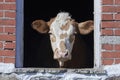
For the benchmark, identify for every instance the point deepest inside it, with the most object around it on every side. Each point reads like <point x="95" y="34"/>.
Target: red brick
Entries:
<point x="107" y="16"/>
<point x="107" y="55"/>
<point x="117" y="32"/>
<point x="106" y="2"/>
<point x="10" y="0"/>
<point x="1" y="59"/>
<point x="1" y="14"/>
<point x="117" y="9"/>
<point x="107" y="46"/>
<point x="117" y="47"/>
<point x="7" y="6"/>
<point x="1" y="45"/>
<point x="1" y="0"/>
<point x="9" y="45"/>
<point x="108" y="9"/>
<point x="9" y="60"/>
<point x="117" y="2"/>
<point x="117" y="61"/>
<point x="10" y="29"/>
<point x="7" y="53"/>
<point x="7" y="38"/>
<point x="117" y="17"/>
<point x="107" y="32"/>
<point x="10" y="14"/>
<point x="117" y="24"/>
<point x="7" y="22"/>
<point x="110" y="54"/>
<point x="110" y="24"/>
<point x="1" y="29"/>
<point x="117" y="55"/>
<point x="107" y="61"/>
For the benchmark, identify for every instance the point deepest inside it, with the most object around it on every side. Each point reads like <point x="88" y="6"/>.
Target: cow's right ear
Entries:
<point x="40" y="26"/>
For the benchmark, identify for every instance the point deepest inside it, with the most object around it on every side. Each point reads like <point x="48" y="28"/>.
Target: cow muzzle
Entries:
<point x="62" y="56"/>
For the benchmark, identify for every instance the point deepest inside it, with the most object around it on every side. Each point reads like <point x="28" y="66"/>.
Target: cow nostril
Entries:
<point x="66" y="54"/>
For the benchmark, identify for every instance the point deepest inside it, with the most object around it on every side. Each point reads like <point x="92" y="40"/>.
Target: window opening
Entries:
<point x="37" y="47"/>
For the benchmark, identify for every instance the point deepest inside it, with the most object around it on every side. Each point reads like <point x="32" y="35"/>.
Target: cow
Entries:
<point x="63" y="30"/>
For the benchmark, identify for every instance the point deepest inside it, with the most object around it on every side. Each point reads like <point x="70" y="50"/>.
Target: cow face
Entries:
<point x="62" y="29"/>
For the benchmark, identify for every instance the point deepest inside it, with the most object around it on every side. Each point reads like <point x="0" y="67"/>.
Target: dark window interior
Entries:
<point x="37" y="47"/>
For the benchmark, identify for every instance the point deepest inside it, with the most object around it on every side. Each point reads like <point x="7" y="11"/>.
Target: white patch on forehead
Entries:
<point x="63" y="16"/>
<point x="55" y="28"/>
<point x="61" y="19"/>
<point x="71" y="29"/>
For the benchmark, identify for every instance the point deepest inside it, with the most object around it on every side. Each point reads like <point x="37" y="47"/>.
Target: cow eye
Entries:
<point x="49" y="33"/>
<point x="75" y="33"/>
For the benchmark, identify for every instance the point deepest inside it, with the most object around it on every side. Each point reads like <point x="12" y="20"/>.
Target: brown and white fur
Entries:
<point x="62" y="30"/>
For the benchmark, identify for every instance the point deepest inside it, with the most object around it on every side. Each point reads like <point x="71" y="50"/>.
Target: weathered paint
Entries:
<point x="19" y="33"/>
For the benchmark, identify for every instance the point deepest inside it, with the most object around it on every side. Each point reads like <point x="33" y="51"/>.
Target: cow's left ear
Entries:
<point x="86" y="27"/>
<point x="40" y="26"/>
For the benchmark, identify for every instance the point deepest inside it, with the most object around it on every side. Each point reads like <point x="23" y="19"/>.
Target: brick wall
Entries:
<point x="7" y="31"/>
<point x="110" y="28"/>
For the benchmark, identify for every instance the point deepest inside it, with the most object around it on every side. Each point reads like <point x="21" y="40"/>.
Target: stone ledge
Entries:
<point x="59" y="74"/>
<point x="14" y="76"/>
<point x="109" y="72"/>
<point x="113" y="78"/>
<point x="60" y="70"/>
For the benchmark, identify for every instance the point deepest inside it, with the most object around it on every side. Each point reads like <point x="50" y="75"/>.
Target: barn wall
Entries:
<point x="110" y="32"/>
<point x="110" y="41"/>
<point x="7" y="31"/>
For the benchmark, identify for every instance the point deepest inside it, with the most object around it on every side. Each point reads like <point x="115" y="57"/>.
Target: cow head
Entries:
<point x="62" y="30"/>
